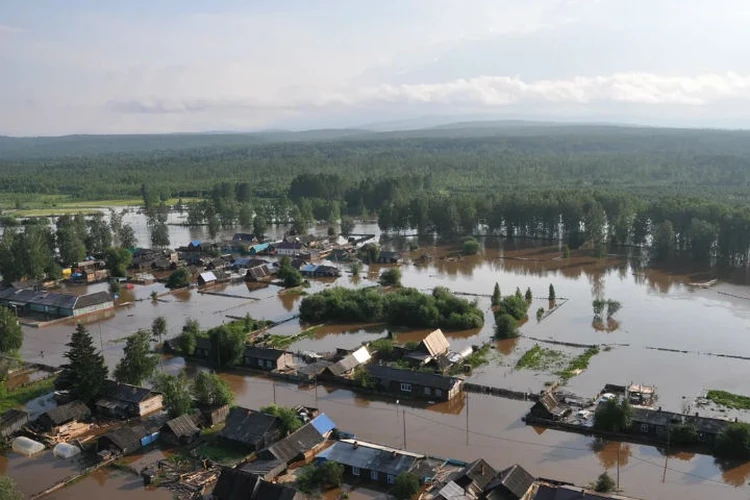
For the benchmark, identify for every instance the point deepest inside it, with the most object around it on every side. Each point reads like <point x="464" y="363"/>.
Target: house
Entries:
<point x="348" y="363"/>
<point x="262" y="358"/>
<point x="123" y="441"/>
<point x="207" y="278"/>
<point x="388" y="257"/>
<point x="213" y="415"/>
<point x="475" y="477"/>
<point x="422" y="385"/>
<point x="52" y="304"/>
<point x="259" y="249"/>
<point x="258" y="272"/>
<point x="243" y="237"/>
<point x="126" y="401"/>
<point x="369" y="462"/>
<point x="12" y="422"/>
<point x="194" y="246"/>
<point x="58" y="419"/>
<point x="313" y="370"/>
<point x="288" y="248"/>
<point x="247" y="262"/>
<point x="249" y="428"/>
<point x="548" y="408"/>
<point x="267" y="470"/>
<point x="341" y="254"/>
<point x="653" y="422"/>
<point x="202" y="348"/>
<point x="544" y="490"/>
<point x="303" y="443"/>
<point x="321" y="271"/>
<point x="432" y="347"/>
<point x="180" y="431"/>
<point x="513" y="483"/>
<point x="238" y="484"/>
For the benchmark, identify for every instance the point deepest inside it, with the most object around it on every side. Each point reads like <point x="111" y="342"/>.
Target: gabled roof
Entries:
<point x="74" y="410"/>
<point x="369" y="456"/>
<point x="511" y="484"/>
<point x="323" y="424"/>
<point x="569" y="492"/>
<point x="127" y="439"/>
<point x="273" y="491"/>
<point x="92" y="299"/>
<point x="25" y="296"/>
<point x="263" y="353"/>
<point x="350" y="362"/>
<point x="235" y="484"/>
<point x="208" y="276"/>
<point x="551" y="404"/>
<point x="478" y="473"/>
<point x="387" y="374"/>
<point x="259" y="247"/>
<point x="117" y="391"/>
<point x="435" y="343"/>
<point x="288" y="245"/>
<point x="243" y="237"/>
<point x="12" y="416"/>
<point x="247" y="426"/>
<point x="182" y="426"/>
<point x="297" y="443"/>
<point x="452" y="491"/>
<point x="195" y="243"/>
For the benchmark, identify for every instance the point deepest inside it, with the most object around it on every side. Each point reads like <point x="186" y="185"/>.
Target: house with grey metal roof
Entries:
<point x="52" y="304"/>
<point x="370" y="462"/>
<point x="416" y="384"/>
<point x="253" y="429"/>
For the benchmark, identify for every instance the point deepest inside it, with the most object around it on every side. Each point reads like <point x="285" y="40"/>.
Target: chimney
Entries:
<point x="393" y="454"/>
<point x="660" y="408"/>
<point x="696" y="413"/>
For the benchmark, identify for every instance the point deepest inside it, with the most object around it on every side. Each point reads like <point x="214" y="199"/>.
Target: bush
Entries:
<point x="179" y="278"/>
<point x="369" y="253"/>
<point x="290" y="421"/>
<point x="505" y="326"/>
<point x="326" y="474"/>
<point x="405" y="486"/>
<point x="391" y="277"/>
<point x="604" y="483"/>
<point x="470" y="246"/>
<point x="539" y="314"/>
<point x="684" y="434"/>
<point x="404" y="307"/>
<point x="514" y="305"/>
<point x="734" y="442"/>
<point x="612" y="416"/>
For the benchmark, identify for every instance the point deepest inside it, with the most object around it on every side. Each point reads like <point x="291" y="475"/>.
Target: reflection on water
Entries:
<point x="735" y="474"/>
<point x="610" y="452"/>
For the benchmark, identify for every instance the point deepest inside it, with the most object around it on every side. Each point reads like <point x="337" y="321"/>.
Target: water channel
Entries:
<point x="660" y="310"/>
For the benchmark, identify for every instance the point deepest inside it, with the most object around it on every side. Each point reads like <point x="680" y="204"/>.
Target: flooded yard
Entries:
<point x="660" y="311"/>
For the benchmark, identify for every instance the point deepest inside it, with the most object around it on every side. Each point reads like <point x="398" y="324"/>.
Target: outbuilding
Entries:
<point x="180" y="431"/>
<point x="58" y="419"/>
<point x="12" y="422"/>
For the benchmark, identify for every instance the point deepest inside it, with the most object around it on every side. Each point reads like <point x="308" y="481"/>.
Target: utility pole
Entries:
<point x="101" y="342"/>
<point x="316" y="393"/>
<point x="618" y="467"/>
<point x="666" y="457"/>
<point x="404" y="414"/>
<point x="467" y="419"/>
<point x="274" y="392"/>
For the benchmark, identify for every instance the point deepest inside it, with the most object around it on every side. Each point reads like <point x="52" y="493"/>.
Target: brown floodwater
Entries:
<point x="660" y="310"/>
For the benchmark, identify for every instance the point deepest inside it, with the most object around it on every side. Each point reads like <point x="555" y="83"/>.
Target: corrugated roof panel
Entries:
<point x="323" y="424"/>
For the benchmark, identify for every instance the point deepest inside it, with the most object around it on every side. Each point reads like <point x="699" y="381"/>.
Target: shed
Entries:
<point x="311" y="371"/>
<point x="238" y="484"/>
<point x="350" y="362"/>
<point x="11" y="422"/>
<point x="435" y="344"/>
<point x="207" y="278"/>
<point x="213" y="415"/>
<point x="180" y="431"/>
<point x="124" y="440"/>
<point x="194" y="245"/>
<point x="265" y="469"/>
<point x="52" y="420"/>
<point x="253" y="429"/>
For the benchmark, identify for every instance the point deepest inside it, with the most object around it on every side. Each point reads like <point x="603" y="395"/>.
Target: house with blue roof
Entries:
<point x="195" y="245"/>
<point x="259" y="249"/>
<point x="303" y="443"/>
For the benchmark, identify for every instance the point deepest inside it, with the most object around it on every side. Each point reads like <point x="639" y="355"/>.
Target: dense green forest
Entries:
<point x="490" y="159"/>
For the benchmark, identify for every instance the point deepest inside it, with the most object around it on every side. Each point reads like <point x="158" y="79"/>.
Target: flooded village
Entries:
<point x="468" y="415"/>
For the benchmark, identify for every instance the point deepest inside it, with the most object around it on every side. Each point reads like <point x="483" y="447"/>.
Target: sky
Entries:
<point x="92" y="66"/>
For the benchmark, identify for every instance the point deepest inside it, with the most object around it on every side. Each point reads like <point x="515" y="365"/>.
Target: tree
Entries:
<point x="518" y="293"/>
<point x="505" y="326"/>
<point x="612" y="416"/>
<point x="604" y="483"/>
<point x="390" y="277"/>
<point x="663" y="240"/>
<point x="347" y="226"/>
<point x="514" y="305"/>
<point x="227" y="345"/>
<point x="566" y="252"/>
<point x="85" y="372"/>
<point x="496" y="296"/>
<point x="612" y="307"/>
<point x="539" y="314"/>
<point x="11" y="333"/>
<point x="259" y="227"/>
<point x="331" y="473"/>
<point x="159" y="327"/>
<point x="405" y="486"/>
<point x="245" y="215"/>
<point x="118" y="260"/>
<point x="356" y="268"/>
<point x="188" y="339"/>
<point x="9" y="490"/>
<point x="127" y="237"/>
<point x="470" y="246"/>
<point x="598" y="305"/>
<point x="210" y="390"/>
<point x="552" y="295"/>
<point x="176" y="391"/>
<point x="137" y="363"/>
<point x="179" y="278"/>
<point x="288" y="418"/>
<point x="528" y="296"/>
<point x="213" y="226"/>
<point x="734" y="442"/>
<point x="160" y="235"/>
<point x="288" y="274"/>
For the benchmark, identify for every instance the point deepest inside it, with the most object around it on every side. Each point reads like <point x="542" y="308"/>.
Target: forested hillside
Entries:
<point x="464" y="158"/>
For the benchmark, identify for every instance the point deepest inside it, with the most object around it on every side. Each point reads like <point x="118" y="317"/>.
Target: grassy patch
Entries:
<point x="579" y="363"/>
<point x="284" y="341"/>
<point x="475" y="359"/>
<point x="539" y="358"/>
<point x="225" y="454"/>
<point x="18" y="397"/>
<point x="729" y="400"/>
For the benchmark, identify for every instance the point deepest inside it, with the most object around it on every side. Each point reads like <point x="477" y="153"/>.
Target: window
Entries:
<point x="355" y="471"/>
<point x="269" y="363"/>
<point x="439" y="392"/>
<point x="427" y="391"/>
<point x="644" y="427"/>
<point x="260" y="363"/>
<point x="391" y="479"/>
<point x="374" y="475"/>
<point x="406" y="387"/>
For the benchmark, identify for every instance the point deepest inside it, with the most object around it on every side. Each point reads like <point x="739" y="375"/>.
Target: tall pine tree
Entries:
<point x="137" y="363"/>
<point x="85" y="373"/>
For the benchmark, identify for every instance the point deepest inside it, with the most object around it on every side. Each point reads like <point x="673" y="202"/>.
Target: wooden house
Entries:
<point x="348" y="363"/>
<point x="422" y="385"/>
<point x="288" y="248"/>
<point x="12" y="422"/>
<point x="126" y="401"/>
<point x="124" y="441"/>
<point x="180" y="431"/>
<point x="303" y="443"/>
<point x="252" y="429"/>
<point x="548" y="408"/>
<point x="239" y="484"/>
<point x="207" y="278"/>
<point x="262" y="358"/>
<point x="213" y="415"/>
<point x="63" y="418"/>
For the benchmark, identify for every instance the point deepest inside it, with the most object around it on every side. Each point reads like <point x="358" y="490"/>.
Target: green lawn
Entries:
<point x="18" y="397"/>
<point x="729" y="400"/>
